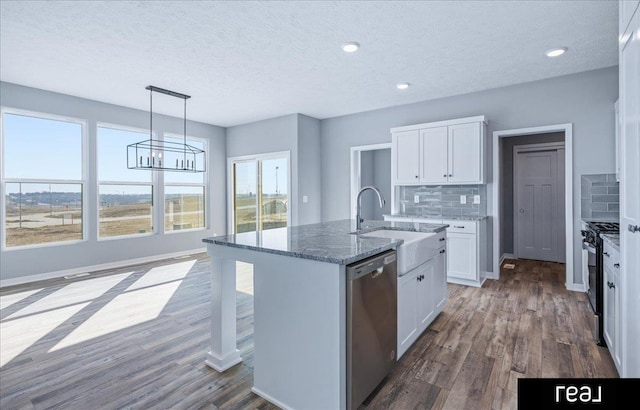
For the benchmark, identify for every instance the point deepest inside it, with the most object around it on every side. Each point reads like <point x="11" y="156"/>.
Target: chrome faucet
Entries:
<point x="359" y="219"/>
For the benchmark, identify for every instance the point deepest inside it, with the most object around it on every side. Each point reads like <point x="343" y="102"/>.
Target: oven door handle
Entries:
<point x="588" y="247"/>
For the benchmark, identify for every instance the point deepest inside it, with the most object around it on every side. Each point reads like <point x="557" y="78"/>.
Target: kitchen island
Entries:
<point x="299" y="305"/>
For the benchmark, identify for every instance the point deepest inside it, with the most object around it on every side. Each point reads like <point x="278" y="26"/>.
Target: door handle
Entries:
<point x="611" y="285"/>
<point x="606" y="254"/>
<point x="521" y="210"/>
<point x="633" y="228"/>
<point x="442" y="251"/>
<point x="616" y="265"/>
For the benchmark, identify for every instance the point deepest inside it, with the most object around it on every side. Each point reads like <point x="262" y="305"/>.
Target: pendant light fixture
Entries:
<point x="165" y="155"/>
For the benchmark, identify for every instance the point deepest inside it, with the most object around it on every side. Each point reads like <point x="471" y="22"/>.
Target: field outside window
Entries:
<point x="125" y="196"/>
<point x="184" y="195"/>
<point x="43" y="180"/>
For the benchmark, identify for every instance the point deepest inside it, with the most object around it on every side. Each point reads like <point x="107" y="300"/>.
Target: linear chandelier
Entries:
<point x="163" y="155"/>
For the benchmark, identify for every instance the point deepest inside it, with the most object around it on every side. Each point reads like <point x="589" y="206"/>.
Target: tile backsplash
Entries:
<point x="600" y="197"/>
<point x="436" y="201"/>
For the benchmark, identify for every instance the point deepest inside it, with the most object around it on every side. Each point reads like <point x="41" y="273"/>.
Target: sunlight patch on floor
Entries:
<point x="8" y="300"/>
<point x="125" y="310"/>
<point x="76" y="292"/>
<point x="163" y="274"/>
<point x="18" y="335"/>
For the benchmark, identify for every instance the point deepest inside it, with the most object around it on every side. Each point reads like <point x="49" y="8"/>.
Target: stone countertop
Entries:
<point x="612" y="238"/>
<point x="446" y="218"/>
<point x="332" y="242"/>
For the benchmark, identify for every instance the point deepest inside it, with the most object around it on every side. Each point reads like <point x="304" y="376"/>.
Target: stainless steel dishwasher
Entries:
<point x="371" y="324"/>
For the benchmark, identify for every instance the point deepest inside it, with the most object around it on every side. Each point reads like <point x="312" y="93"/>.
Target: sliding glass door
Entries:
<point x="260" y="192"/>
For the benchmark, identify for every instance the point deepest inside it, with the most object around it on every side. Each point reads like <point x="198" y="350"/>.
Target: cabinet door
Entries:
<point x="406" y="145"/>
<point x="617" y="323"/>
<point x="609" y="311"/>
<point x="465" y="152"/>
<point x="434" y="159"/>
<point x="407" y="312"/>
<point x="425" y="294"/>
<point x="462" y="256"/>
<point x="440" y="281"/>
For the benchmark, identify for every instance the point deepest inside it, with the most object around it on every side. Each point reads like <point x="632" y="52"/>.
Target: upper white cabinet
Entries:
<point x="444" y="152"/>
<point x="406" y="145"/>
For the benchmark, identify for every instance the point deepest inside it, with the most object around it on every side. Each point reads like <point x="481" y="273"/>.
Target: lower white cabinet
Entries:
<point x="422" y="293"/>
<point x="612" y="313"/>
<point x="466" y="260"/>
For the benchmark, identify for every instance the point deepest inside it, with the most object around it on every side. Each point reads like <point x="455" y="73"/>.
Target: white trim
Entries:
<point x="270" y="399"/>
<point x="257" y="157"/>
<point x="83" y="182"/>
<point x="479" y="118"/>
<point x="577" y="287"/>
<point x="568" y="143"/>
<point x="93" y="268"/>
<point x="355" y="154"/>
<point x="503" y="257"/>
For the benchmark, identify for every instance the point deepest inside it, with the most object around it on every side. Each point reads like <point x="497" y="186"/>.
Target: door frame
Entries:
<point x="355" y="155"/>
<point x="248" y="158"/>
<point x="568" y="195"/>
<point x="517" y="149"/>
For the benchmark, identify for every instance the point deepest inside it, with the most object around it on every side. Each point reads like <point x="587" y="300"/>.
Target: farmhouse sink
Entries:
<point x="417" y="248"/>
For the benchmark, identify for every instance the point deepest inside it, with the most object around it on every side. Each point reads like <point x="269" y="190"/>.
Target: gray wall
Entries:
<point x="298" y="134"/>
<point x="506" y="180"/>
<point x="19" y="263"/>
<point x="375" y="170"/>
<point x="309" y="170"/>
<point x="585" y="99"/>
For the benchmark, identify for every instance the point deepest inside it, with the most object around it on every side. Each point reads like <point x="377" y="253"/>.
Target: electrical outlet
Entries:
<point x="476" y="199"/>
<point x="305" y="199"/>
<point x="463" y="199"/>
<point x="416" y="199"/>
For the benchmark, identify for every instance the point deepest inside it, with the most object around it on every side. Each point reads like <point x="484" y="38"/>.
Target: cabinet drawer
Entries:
<point x="460" y="226"/>
<point x="611" y="257"/>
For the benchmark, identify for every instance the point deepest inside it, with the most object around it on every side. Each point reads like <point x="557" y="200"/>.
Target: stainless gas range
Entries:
<point x="592" y="250"/>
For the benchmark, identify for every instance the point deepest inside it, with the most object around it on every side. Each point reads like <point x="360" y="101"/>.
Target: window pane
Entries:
<point x="125" y="210"/>
<point x="189" y="177"/>
<point x="184" y="208"/>
<point x="245" y="198"/>
<point x="42" y="213"/>
<point x="112" y="155"/>
<point x="39" y="148"/>
<point x="273" y="195"/>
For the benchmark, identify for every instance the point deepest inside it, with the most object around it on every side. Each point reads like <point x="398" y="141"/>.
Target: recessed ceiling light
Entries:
<point x="350" y="47"/>
<point x="555" y="52"/>
<point x="402" y="86"/>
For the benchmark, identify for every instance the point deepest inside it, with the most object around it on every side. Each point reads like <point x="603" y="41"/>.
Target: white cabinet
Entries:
<point x="612" y="313"/>
<point x="422" y="293"/>
<point x="629" y="107"/>
<point x="406" y="145"/>
<point x="435" y="159"/>
<point x="466" y="253"/>
<point x="444" y="152"/>
<point x="617" y="139"/>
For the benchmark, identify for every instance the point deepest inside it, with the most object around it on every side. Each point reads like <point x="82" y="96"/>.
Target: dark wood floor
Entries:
<point x="83" y="348"/>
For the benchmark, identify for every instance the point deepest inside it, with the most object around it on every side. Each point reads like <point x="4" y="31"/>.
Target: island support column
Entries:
<point x="224" y="353"/>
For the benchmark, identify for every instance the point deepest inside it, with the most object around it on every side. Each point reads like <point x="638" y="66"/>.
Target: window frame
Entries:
<point x="153" y="183"/>
<point x="204" y="184"/>
<point x="83" y="182"/>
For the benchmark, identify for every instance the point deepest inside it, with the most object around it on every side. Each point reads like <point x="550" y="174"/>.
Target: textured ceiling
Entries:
<point x="247" y="61"/>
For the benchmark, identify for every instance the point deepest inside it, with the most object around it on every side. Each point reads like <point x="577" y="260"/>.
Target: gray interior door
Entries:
<point x="538" y="218"/>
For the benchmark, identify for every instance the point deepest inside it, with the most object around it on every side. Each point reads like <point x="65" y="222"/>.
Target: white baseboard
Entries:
<point x="506" y="256"/>
<point x="492" y="275"/>
<point x="111" y="265"/>
<point x="576" y="287"/>
<point x="270" y="399"/>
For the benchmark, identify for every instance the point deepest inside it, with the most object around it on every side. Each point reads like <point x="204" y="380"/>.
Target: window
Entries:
<point x="125" y="196"/>
<point x="43" y="179"/>
<point x="184" y="194"/>
<point x="259" y="192"/>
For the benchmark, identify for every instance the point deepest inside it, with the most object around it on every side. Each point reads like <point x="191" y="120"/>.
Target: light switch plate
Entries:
<point x="305" y="199"/>
<point x="476" y="199"/>
<point x="463" y="199"/>
<point x="416" y="199"/>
